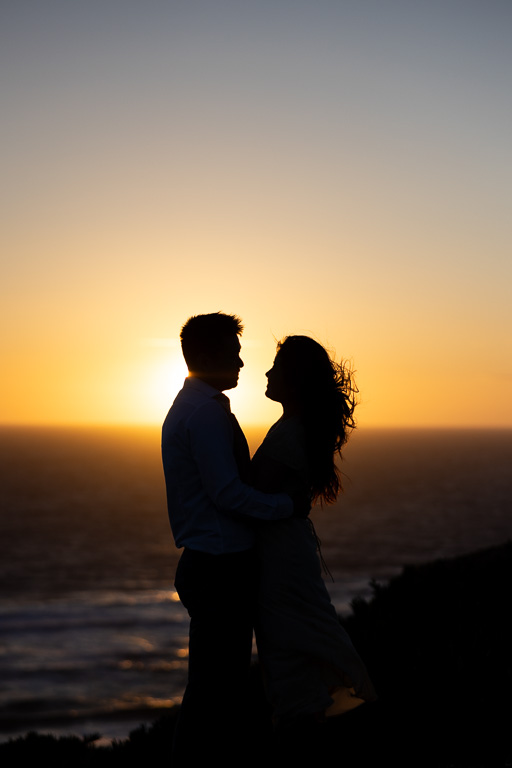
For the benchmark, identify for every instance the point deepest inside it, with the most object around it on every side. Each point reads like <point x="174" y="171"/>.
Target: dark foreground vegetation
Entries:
<point x="437" y="641"/>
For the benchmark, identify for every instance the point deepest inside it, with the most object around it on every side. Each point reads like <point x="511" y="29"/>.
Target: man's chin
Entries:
<point x="231" y="384"/>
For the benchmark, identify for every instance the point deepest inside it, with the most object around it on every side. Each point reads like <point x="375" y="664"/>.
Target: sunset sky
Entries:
<point x="329" y="167"/>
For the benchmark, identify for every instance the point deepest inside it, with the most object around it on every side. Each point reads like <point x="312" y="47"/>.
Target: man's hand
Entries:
<point x="301" y="505"/>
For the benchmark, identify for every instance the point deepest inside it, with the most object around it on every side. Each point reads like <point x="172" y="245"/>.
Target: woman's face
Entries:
<point x="276" y="388"/>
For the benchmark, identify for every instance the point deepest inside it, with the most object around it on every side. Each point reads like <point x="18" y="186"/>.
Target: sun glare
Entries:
<point x="162" y="382"/>
<point x="164" y="371"/>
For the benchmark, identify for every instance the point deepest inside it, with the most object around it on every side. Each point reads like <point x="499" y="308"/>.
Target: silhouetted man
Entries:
<point x="206" y="465"/>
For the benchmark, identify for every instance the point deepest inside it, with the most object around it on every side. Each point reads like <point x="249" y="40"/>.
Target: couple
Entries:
<point x="250" y="558"/>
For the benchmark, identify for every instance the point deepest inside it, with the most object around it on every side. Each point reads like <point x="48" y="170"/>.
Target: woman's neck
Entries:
<point x="290" y="409"/>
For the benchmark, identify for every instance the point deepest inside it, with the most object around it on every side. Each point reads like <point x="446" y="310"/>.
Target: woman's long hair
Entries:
<point x="325" y="393"/>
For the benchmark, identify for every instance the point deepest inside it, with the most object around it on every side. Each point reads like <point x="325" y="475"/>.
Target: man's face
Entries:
<point x="225" y="365"/>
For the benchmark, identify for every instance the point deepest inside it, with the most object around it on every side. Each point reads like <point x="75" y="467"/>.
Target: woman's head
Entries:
<point x="301" y="370"/>
<point x="322" y="393"/>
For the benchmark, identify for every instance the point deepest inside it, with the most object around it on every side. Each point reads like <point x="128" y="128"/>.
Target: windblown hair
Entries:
<point x="326" y="395"/>
<point x="204" y="334"/>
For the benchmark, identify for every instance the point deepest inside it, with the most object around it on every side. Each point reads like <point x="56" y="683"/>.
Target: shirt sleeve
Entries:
<point x="211" y="441"/>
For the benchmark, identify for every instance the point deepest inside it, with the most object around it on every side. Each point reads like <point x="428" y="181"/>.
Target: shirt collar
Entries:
<point x="198" y="385"/>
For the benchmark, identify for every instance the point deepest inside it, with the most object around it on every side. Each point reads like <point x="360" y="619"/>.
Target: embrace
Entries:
<point x="250" y="561"/>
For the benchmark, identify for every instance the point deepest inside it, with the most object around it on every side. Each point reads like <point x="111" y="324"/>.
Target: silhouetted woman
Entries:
<point x="309" y="664"/>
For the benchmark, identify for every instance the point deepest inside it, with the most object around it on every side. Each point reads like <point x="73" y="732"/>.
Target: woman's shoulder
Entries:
<point x="285" y="441"/>
<point x="286" y="429"/>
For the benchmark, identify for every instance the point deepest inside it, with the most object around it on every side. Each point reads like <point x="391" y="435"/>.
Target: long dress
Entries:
<point x="309" y="664"/>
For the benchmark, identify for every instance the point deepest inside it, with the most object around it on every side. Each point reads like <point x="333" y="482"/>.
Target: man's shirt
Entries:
<point x="210" y="508"/>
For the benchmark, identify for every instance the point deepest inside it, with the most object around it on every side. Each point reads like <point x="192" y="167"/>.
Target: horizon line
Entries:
<point x="252" y="425"/>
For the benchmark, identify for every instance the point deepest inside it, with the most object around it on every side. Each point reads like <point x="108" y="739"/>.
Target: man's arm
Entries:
<point x="211" y="440"/>
<point x="279" y="477"/>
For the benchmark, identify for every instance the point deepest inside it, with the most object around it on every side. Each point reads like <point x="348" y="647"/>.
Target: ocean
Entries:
<point x="92" y="636"/>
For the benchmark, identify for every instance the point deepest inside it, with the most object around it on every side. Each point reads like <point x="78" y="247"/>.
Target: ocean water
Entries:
<point x="92" y="636"/>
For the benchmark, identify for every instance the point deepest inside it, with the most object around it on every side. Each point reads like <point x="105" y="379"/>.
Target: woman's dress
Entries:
<point x="309" y="664"/>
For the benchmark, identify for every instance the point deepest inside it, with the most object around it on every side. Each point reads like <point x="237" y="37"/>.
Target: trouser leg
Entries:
<point x="219" y="595"/>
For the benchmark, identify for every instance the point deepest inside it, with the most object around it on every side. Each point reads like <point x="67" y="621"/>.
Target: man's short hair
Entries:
<point x="204" y="334"/>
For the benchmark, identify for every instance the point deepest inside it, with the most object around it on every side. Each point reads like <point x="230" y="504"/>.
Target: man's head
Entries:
<point x="211" y="348"/>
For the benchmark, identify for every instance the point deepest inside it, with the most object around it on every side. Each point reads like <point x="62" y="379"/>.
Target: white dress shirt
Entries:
<point x="210" y="508"/>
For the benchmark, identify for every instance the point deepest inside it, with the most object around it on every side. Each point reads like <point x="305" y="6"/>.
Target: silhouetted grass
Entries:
<point x="437" y="641"/>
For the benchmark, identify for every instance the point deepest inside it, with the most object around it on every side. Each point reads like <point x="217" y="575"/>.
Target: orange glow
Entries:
<point x="137" y="383"/>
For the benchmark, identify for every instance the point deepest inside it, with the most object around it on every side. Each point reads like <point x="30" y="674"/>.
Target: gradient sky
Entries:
<point x="341" y="169"/>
